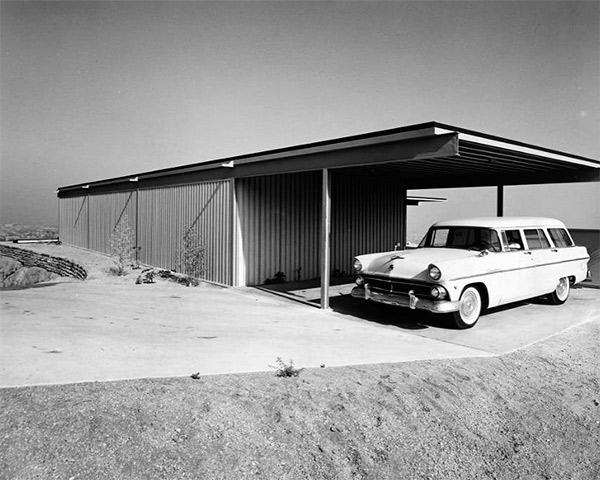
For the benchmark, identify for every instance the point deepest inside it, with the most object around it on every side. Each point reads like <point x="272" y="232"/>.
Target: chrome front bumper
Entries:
<point x="409" y="300"/>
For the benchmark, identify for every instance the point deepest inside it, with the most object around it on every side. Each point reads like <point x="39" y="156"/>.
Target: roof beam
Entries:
<point x="396" y="152"/>
<point x="482" y="180"/>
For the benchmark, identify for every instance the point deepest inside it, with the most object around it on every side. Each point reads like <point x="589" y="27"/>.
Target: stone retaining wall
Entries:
<point x="60" y="266"/>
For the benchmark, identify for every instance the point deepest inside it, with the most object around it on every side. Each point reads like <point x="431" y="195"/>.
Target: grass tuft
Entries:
<point x="283" y="369"/>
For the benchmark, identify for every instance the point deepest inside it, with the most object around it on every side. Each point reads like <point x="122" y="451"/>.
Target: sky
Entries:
<point x="96" y="89"/>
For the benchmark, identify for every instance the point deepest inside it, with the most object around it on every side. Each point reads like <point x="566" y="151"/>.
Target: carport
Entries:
<point x="431" y="155"/>
<point x="303" y="212"/>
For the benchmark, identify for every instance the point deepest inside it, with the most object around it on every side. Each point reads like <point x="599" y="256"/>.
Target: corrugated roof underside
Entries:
<point x="473" y="164"/>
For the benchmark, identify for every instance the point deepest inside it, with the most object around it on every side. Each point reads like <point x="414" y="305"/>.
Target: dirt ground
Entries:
<point x="531" y="414"/>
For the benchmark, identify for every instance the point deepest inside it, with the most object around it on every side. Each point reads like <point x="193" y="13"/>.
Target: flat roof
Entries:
<point x="502" y="222"/>
<point x="426" y="155"/>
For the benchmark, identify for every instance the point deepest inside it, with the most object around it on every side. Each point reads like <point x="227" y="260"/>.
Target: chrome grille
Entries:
<point x="397" y="286"/>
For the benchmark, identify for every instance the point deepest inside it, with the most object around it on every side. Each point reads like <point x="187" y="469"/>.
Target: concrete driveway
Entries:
<point x="82" y="331"/>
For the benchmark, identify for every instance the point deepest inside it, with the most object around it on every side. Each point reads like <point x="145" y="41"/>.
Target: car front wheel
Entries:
<point x="561" y="293"/>
<point x="469" y="309"/>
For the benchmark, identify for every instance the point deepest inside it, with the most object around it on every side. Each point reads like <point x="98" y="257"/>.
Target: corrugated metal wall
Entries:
<point x="160" y="217"/>
<point x="280" y="221"/>
<point x="366" y="217"/>
<point x="165" y="213"/>
<point x="106" y="212"/>
<point x="279" y="218"/>
<point x="73" y="221"/>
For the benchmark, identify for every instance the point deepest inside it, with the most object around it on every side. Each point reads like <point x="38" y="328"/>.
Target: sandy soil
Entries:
<point x="532" y="414"/>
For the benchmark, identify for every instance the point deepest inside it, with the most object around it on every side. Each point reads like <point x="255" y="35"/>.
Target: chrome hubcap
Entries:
<point x="469" y="307"/>
<point x="562" y="288"/>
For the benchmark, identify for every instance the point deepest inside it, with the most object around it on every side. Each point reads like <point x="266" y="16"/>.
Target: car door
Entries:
<point x="517" y="275"/>
<point x="566" y="258"/>
<point x="543" y="259"/>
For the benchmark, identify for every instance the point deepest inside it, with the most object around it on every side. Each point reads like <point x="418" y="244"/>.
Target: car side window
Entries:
<point x="536" y="239"/>
<point x="512" y="239"/>
<point x="439" y="237"/>
<point x="489" y="239"/>
<point x="560" y="237"/>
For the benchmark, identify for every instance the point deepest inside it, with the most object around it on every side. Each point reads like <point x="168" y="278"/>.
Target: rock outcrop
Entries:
<point x="20" y="267"/>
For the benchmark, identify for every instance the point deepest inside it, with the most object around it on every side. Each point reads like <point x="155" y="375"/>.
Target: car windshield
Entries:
<point x="467" y="238"/>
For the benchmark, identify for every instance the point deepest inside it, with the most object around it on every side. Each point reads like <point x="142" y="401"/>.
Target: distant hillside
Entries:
<point x="11" y="231"/>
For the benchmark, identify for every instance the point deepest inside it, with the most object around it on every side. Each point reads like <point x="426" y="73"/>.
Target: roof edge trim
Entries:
<point x="500" y="142"/>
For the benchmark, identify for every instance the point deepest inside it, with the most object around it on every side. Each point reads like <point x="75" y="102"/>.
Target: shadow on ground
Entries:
<point x="341" y="301"/>
<point x="412" y="319"/>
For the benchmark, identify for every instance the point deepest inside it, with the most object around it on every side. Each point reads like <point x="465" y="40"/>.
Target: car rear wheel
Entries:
<point x="469" y="309"/>
<point x="561" y="293"/>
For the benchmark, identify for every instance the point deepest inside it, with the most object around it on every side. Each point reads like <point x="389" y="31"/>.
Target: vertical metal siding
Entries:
<point x="106" y="212"/>
<point x="367" y="217"/>
<point x="73" y="222"/>
<point x="278" y="217"/>
<point x="164" y="214"/>
<point x="279" y="222"/>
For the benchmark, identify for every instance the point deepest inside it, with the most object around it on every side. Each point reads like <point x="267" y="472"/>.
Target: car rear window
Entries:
<point x="560" y="237"/>
<point x="536" y="239"/>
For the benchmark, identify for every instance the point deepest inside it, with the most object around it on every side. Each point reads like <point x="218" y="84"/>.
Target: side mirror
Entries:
<point x="397" y="246"/>
<point x="514" y="246"/>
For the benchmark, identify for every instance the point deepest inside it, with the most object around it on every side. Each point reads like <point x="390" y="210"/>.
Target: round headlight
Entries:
<point x="434" y="272"/>
<point x="438" y="292"/>
<point x="360" y="281"/>
<point x="357" y="265"/>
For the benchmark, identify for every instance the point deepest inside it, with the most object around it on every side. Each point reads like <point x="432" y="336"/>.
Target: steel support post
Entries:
<point x="325" y="239"/>
<point x="500" y="201"/>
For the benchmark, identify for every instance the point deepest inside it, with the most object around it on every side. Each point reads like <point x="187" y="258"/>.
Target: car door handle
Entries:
<point x="555" y="250"/>
<point x="527" y="253"/>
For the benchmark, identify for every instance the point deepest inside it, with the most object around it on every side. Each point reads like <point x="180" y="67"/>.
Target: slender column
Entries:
<point x="137" y="221"/>
<point x="88" y="221"/>
<point x="325" y="239"/>
<point x="500" y="201"/>
<point x="404" y="219"/>
<point x="58" y="224"/>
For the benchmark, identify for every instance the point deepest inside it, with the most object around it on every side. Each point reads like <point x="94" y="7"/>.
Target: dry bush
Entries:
<point x="122" y="245"/>
<point x="192" y="253"/>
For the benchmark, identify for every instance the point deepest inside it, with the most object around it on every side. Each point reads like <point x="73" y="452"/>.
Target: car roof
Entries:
<point x="502" y="222"/>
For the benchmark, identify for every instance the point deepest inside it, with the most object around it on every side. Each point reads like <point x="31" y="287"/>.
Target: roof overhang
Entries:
<point x="429" y="155"/>
<point x="415" y="201"/>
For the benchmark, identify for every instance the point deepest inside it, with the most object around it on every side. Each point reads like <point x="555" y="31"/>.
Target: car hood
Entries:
<point x="414" y="264"/>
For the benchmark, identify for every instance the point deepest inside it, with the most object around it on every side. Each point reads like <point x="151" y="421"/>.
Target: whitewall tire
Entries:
<point x="561" y="293"/>
<point x="470" y="308"/>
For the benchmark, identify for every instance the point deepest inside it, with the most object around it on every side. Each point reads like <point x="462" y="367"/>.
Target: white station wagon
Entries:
<point x="462" y="267"/>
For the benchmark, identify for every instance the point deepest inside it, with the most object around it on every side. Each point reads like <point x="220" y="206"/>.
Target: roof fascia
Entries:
<point x="499" y="142"/>
<point x="480" y="180"/>
<point x="365" y="139"/>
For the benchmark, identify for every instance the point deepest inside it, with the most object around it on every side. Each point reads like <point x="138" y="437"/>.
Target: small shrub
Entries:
<point x="278" y="279"/>
<point x="147" y="276"/>
<point x="150" y="275"/>
<point x="122" y="244"/>
<point x="186" y="280"/>
<point x="286" y="369"/>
